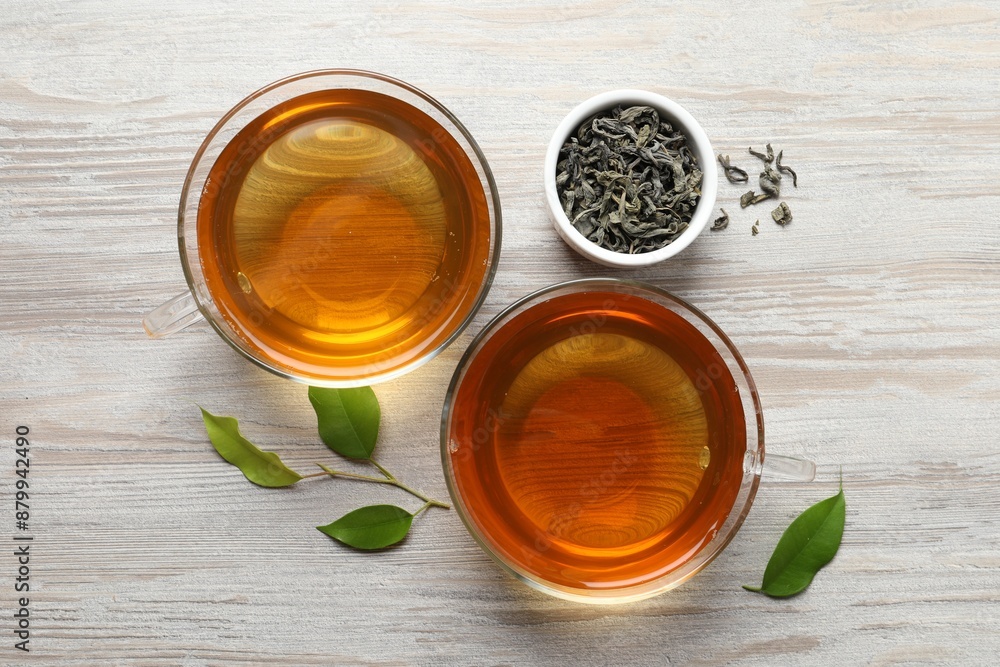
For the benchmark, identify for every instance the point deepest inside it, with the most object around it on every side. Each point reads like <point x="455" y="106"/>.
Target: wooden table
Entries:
<point x="870" y="324"/>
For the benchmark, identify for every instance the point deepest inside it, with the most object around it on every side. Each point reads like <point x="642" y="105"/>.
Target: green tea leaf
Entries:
<point x="260" y="467"/>
<point x="348" y="419"/>
<point x="372" y="527"/>
<point x="806" y="546"/>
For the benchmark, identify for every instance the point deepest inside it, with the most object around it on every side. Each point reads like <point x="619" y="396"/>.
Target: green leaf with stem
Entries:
<point x="348" y="419"/>
<point x="372" y="527"/>
<point x="809" y="543"/>
<point x="260" y="467"/>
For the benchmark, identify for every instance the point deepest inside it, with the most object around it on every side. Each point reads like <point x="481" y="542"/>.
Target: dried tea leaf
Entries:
<point x="766" y="158"/>
<point x="348" y="419"/>
<point x="260" y="467"/>
<point x="733" y="173"/>
<point x="809" y="543"/>
<point x="372" y="527"/>
<point x="787" y="170"/>
<point x="750" y="198"/>
<point x="721" y="222"/>
<point x="755" y="229"/>
<point x="782" y="215"/>
<point x="770" y="181"/>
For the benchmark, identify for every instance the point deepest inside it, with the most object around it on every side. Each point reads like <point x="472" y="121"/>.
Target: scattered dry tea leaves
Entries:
<point x="769" y="183"/>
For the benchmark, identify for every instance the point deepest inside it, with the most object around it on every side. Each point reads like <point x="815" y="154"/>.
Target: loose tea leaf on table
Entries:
<point x="770" y="181"/>
<point x="750" y="198"/>
<point x="809" y="543"/>
<point x="787" y="170"/>
<point x="372" y="527"/>
<point x="782" y="215"/>
<point x="348" y="419"/>
<point x="721" y="222"/>
<point x="260" y="467"/>
<point x="733" y="173"/>
<point x="766" y="158"/>
<point x="628" y="181"/>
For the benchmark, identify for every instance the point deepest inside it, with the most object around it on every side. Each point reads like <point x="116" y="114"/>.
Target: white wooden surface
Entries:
<point x="870" y="324"/>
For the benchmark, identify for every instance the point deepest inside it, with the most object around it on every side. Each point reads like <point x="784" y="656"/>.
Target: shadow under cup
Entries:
<point x="338" y="228"/>
<point x="602" y="440"/>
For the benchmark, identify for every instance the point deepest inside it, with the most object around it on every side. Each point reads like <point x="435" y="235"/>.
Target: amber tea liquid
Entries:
<point x="597" y="439"/>
<point x="344" y="232"/>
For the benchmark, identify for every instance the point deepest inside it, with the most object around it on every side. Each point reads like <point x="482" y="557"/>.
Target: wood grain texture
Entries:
<point x="870" y="324"/>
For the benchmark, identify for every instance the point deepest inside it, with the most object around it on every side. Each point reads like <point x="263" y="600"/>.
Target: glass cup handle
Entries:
<point x="176" y="314"/>
<point x="786" y="467"/>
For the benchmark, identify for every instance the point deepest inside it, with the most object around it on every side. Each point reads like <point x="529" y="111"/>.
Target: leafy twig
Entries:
<point x="348" y="424"/>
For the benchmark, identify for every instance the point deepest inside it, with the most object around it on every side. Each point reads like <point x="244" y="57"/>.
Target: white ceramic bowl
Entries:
<point x="698" y="143"/>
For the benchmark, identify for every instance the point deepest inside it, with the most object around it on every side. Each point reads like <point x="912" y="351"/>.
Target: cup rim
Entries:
<point x="735" y="518"/>
<point x="701" y="146"/>
<point x="495" y="223"/>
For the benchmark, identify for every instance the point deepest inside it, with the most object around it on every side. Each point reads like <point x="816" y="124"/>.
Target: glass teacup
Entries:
<point x="337" y="227"/>
<point x="603" y="440"/>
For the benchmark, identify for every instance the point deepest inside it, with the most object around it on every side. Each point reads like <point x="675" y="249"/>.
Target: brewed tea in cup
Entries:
<point x="603" y="440"/>
<point x="338" y="228"/>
